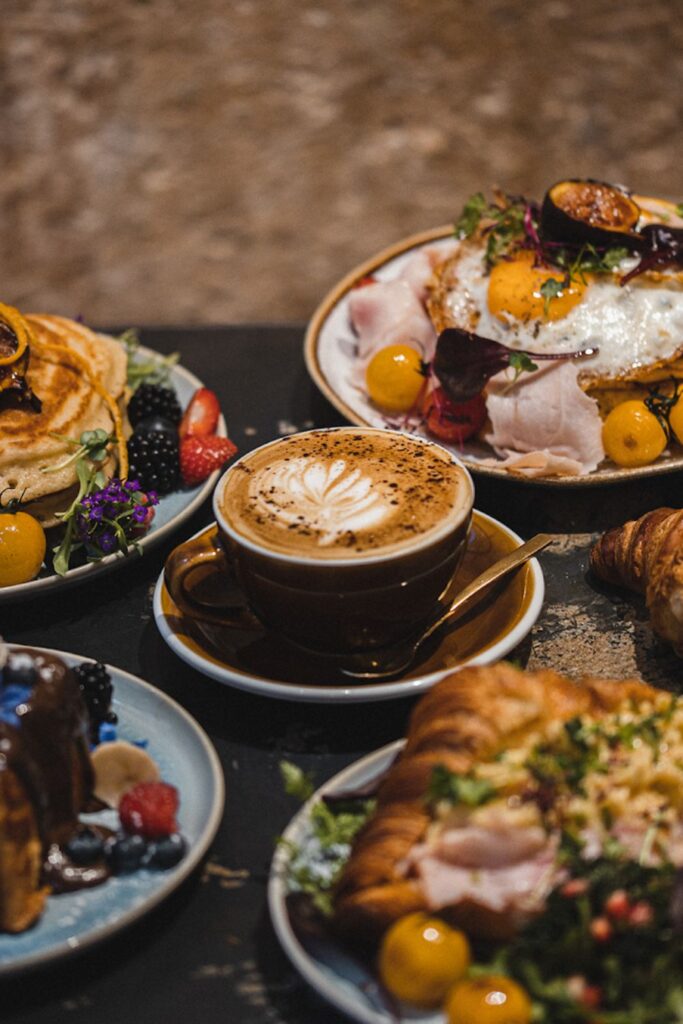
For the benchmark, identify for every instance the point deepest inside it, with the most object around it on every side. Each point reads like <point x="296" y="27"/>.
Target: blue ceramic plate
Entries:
<point x="172" y="510"/>
<point x="336" y="976"/>
<point x="186" y="759"/>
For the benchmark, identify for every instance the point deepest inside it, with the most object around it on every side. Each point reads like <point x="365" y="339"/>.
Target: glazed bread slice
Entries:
<point x="464" y="720"/>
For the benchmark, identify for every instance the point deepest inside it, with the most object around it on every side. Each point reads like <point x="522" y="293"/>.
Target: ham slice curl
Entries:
<point x="545" y="424"/>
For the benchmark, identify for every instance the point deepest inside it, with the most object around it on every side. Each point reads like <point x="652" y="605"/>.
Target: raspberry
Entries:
<point x="149" y="810"/>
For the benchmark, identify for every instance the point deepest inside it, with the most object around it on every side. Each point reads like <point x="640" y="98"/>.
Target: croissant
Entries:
<point x="646" y="555"/>
<point x="467" y="719"/>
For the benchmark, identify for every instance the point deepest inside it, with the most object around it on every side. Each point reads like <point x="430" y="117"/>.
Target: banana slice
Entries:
<point x="118" y="766"/>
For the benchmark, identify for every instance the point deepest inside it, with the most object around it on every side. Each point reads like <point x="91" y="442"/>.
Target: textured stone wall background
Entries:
<point x="229" y="160"/>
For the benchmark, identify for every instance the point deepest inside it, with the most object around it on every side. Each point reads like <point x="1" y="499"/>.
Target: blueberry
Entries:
<point x="19" y="669"/>
<point x="124" y="854"/>
<point x="85" y="847"/>
<point x="157" y="423"/>
<point x="167" y="852"/>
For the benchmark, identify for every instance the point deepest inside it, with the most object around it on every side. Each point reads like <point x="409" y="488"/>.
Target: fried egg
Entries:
<point x="637" y="328"/>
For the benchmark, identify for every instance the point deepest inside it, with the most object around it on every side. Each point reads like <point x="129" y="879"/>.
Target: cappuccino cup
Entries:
<point x="341" y="540"/>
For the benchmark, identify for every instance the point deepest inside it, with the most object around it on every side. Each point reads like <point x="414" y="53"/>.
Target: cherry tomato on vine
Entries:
<point x="394" y="378"/>
<point x="22" y="547"/>
<point x="451" y="421"/>
<point x="491" y="999"/>
<point x="632" y="435"/>
<point x="421" y="958"/>
<point x="676" y="419"/>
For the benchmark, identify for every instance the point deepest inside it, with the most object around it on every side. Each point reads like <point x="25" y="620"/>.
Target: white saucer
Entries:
<point x="264" y="665"/>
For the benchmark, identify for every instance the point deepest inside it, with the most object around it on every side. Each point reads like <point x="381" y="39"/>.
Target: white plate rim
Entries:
<point x="338" y="294"/>
<point x="186" y="866"/>
<point x="24" y="591"/>
<point x="304" y="963"/>
<point x="354" y="694"/>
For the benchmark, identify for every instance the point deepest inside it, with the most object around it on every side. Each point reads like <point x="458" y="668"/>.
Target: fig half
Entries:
<point x="593" y="212"/>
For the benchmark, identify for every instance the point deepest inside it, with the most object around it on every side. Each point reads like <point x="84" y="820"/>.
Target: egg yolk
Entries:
<point x="515" y="291"/>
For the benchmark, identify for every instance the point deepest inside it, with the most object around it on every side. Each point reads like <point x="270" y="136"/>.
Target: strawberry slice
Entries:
<point x="201" y="415"/>
<point x="199" y="456"/>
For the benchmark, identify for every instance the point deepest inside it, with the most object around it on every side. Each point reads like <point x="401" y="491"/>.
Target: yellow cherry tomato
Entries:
<point x="421" y="958"/>
<point x="22" y="548"/>
<point x="632" y="435"/>
<point x="676" y="419"/>
<point x="394" y="378"/>
<point x="491" y="999"/>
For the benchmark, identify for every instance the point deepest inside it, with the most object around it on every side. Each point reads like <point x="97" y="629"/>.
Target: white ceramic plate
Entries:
<point x="172" y="510"/>
<point x="229" y="668"/>
<point x="334" y="976"/>
<point x="186" y="759"/>
<point x="330" y="353"/>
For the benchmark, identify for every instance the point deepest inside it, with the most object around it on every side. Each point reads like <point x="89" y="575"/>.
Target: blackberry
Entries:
<point x="96" y="689"/>
<point x="157" y="423"/>
<point x="154" y="400"/>
<point x="154" y="462"/>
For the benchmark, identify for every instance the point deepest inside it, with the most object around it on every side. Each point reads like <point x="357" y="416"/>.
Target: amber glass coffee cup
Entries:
<point x="341" y="540"/>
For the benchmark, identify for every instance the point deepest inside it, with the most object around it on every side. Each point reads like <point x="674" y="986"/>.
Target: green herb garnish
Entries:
<point x="91" y="451"/>
<point x="458" y="789"/>
<point x="551" y="289"/>
<point x="504" y="228"/>
<point x="296" y="782"/>
<point x="154" y="370"/>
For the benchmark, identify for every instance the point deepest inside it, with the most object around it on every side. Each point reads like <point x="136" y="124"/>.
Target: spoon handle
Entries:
<point x="479" y="583"/>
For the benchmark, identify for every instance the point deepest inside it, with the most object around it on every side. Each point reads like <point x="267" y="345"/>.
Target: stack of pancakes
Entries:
<point x="70" y="406"/>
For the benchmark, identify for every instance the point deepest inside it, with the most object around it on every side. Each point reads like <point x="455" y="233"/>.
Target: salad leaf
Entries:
<point x="464" y="362"/>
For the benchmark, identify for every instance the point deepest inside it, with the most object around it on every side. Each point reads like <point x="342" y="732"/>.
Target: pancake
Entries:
<point x="70" y="405"/>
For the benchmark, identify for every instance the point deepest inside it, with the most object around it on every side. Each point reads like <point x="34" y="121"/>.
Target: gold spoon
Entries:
<point x="385" y="665"/>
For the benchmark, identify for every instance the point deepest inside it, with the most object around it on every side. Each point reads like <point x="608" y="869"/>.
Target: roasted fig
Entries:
<point x="579" y="212"/>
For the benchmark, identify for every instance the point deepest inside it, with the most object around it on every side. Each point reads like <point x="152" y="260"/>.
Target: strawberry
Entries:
<point x="149" y="810"/>
<point x="201" y="415"/>
<point x="199" y="456"/>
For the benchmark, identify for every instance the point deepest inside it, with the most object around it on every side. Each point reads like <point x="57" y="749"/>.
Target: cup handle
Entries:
<point x="204" y="550"/>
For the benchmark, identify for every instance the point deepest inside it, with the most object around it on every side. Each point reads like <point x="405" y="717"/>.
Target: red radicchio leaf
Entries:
<point x="664" y="247"/>
<point x="464" y="362"/>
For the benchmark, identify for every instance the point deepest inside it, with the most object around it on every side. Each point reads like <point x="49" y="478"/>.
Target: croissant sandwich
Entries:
<point x="646" y="555"/>
<point x="502" y="773"/>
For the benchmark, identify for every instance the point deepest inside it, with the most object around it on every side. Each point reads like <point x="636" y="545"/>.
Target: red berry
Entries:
<point x="453" y="421"/>
<point x="574" y="887"/>
<point x="591" y="997"/>
<point x="199" y="456"/>
<point x="641" y="914"/>
<point x="617" y="905"/>
<point x="149" y="810"/>
<point x="201" y="415"/>
<point x="363" y="282"/>
<point x="601" y="929"/>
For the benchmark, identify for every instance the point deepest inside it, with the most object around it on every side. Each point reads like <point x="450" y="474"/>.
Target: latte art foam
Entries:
<point x="332" y="498"/>
<point x="343" y="493"/>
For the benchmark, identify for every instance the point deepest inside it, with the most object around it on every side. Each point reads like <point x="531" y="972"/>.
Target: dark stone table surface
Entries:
<point x="209" y="951"/>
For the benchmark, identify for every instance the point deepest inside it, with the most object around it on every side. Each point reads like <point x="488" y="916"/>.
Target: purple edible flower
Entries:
<point x="109" y="519"/>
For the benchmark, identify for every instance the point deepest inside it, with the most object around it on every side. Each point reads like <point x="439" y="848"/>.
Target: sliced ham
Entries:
<point x="519" y="888"/>
<point x="479" y="847"/>
<point x="418" y="270"/>
<point x="390" y="313"/>
<point x="545" y="423"/>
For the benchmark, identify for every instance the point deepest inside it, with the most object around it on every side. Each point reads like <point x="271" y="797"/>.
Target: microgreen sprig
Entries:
<point x="155" y="370"/>
<point x="92" y="444"/>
